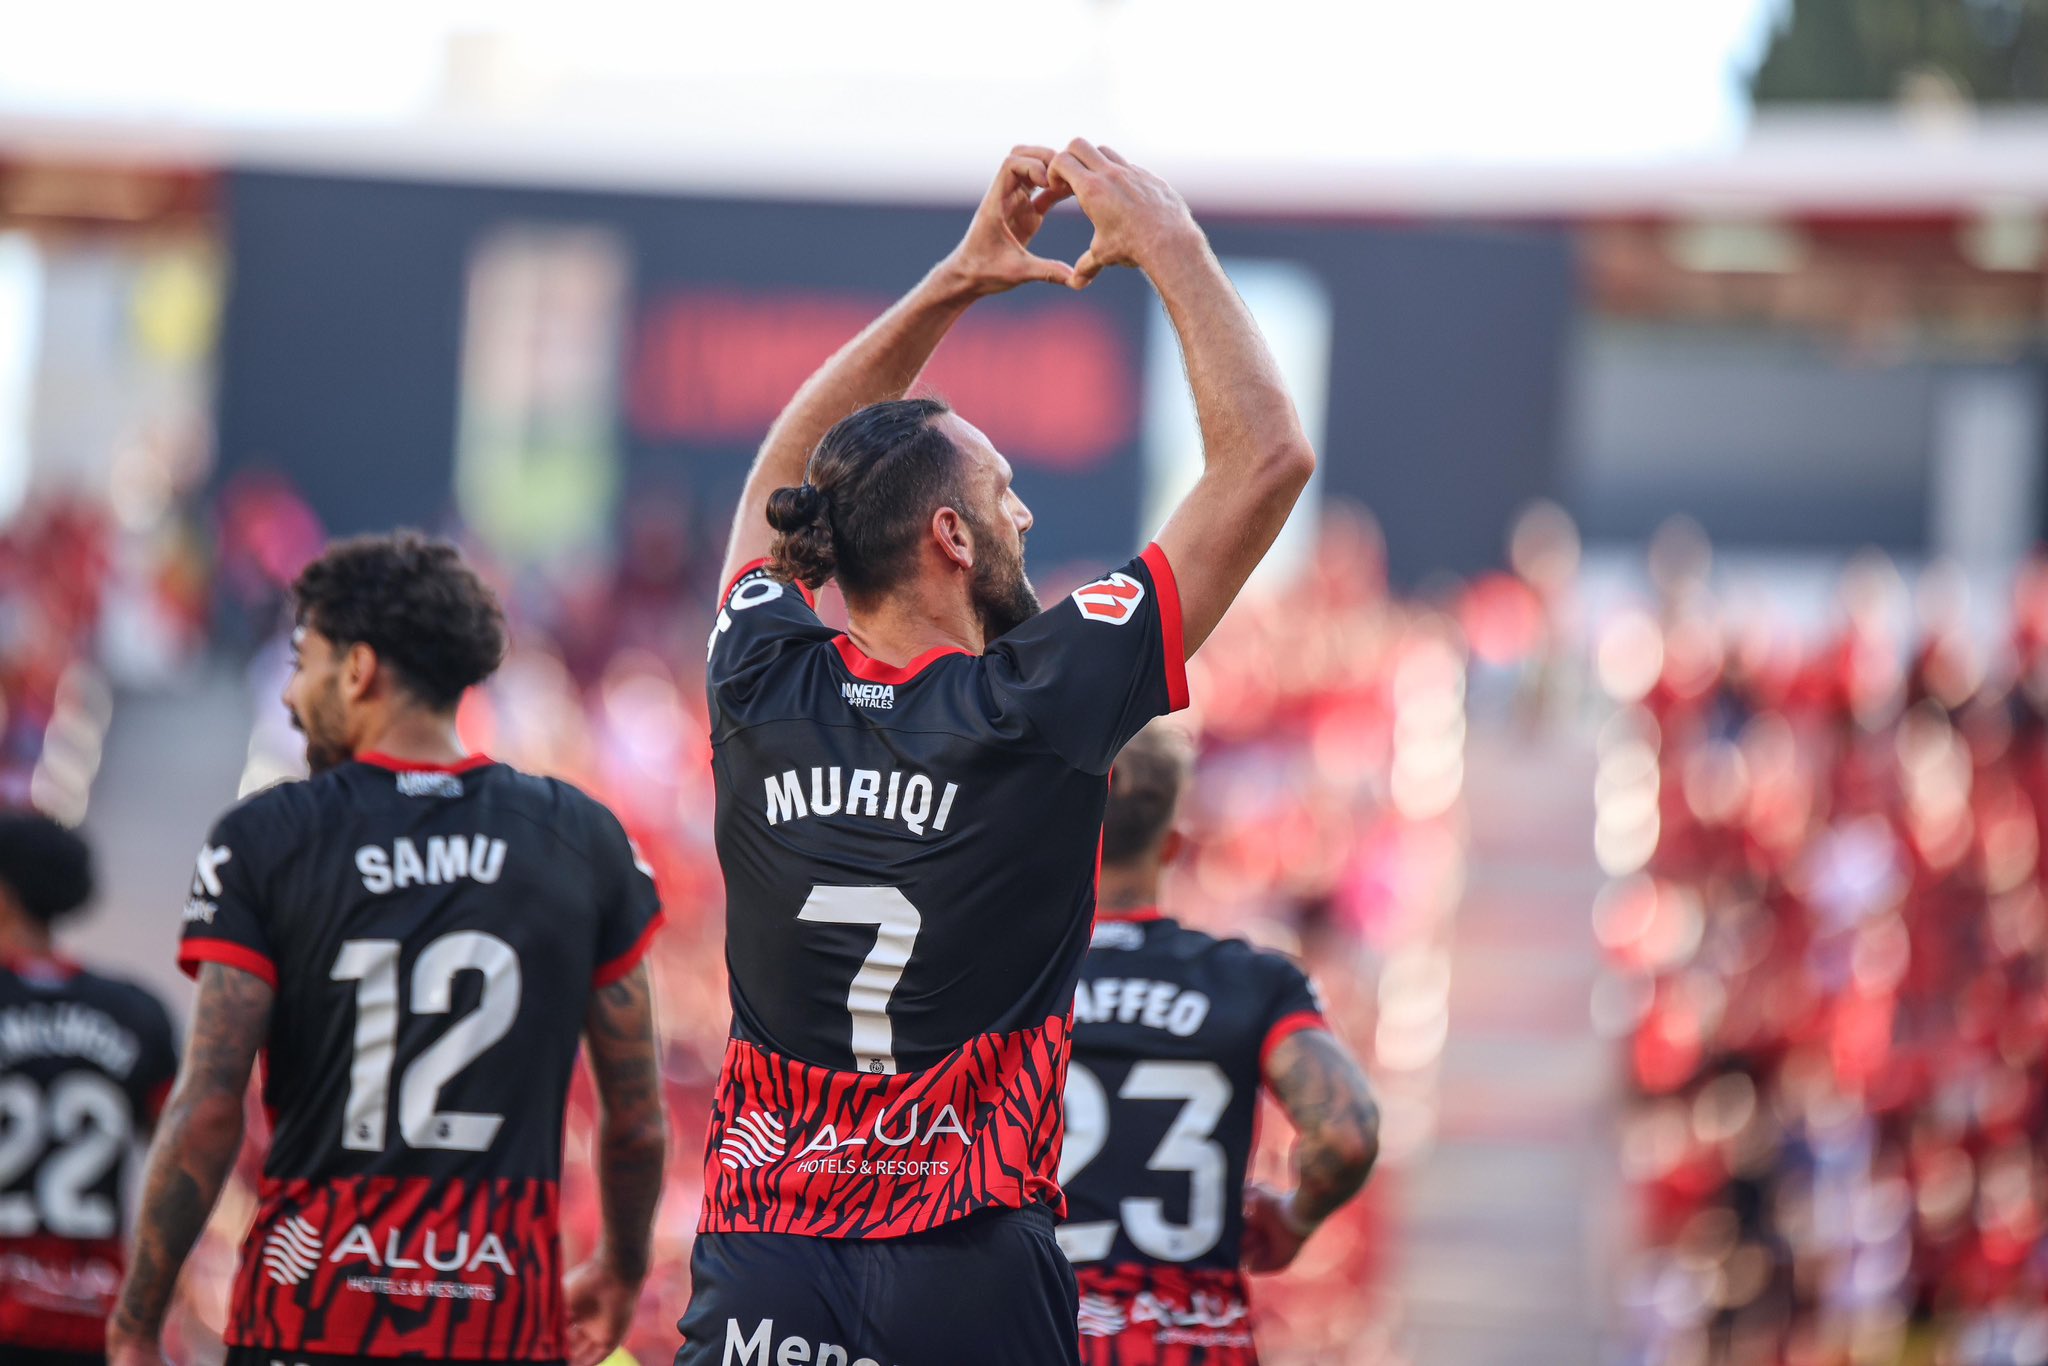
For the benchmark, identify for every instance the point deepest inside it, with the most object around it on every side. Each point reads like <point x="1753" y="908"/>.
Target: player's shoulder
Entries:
<point x="285" y="808"/>
<point x="1230" y="957"/>
<point x="118" y="994"/>
<point x="572" y="814"/>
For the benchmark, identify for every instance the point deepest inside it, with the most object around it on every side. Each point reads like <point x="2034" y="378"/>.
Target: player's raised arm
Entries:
<point x="195" y="1145"/>
<point x="1256" y="457"/>
<point x="1337" y="1140"/>
<point x="632" y="1143"/>
<point x="885" y="359"/>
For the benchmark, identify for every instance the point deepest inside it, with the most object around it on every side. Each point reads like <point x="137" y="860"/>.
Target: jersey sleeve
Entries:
<point x="758" y="615"/>
<point x="1090" y="671"/>
<point x="227" y="914"/>
<point x="158" y="1065"/>
<point x="629" y="908"/>
<point x="1293" y="1005"/>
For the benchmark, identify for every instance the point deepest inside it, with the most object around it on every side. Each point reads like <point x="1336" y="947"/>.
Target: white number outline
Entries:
<point x="373" y="965"/>
<point x="1189" y="1146"/>
<point x="76" y="1130"/>
<point x="897" y="924"/>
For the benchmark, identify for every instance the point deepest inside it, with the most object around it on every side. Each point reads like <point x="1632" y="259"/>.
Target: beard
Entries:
<point x="325" y="748"/>
<point x="1003" y="595"/>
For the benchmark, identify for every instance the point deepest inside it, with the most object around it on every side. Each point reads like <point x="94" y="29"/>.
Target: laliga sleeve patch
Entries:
<point x="1114" y="600"/>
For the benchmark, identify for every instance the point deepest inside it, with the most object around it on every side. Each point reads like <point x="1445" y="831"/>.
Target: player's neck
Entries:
<point x="1119" y="892"/>
<point x="416" y="737"/>
<point x="899" y="629"/>
<point x="22" y="940"/>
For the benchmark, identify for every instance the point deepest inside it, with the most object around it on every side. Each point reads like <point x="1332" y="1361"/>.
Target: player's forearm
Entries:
<point x="194" y="1149"/>
<point x="1336" y="1121"/>
<point x="1334" y="1161"/>
<point x="629" y="1166"/>
<point x="879" y="364"/>
<point x="1250" y="429"/>
<point x="632" y="1130"/>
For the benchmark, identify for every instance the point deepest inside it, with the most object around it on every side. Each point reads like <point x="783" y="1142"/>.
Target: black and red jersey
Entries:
<point x="85" y="1064"/>
<point x="1172" y="1028"/>
<point x="434" y="936"/>
<point x="909" y="857"/>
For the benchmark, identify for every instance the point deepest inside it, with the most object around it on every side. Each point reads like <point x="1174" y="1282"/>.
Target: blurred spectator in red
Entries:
<point x="1829" y="946"/>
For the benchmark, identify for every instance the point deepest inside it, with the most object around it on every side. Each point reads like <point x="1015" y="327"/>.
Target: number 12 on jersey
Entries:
<point x="372" y="964"/>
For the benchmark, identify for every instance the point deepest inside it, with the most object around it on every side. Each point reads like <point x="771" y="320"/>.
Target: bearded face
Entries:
<point x="1003" y="596"/>
<point x="313" y="698"/>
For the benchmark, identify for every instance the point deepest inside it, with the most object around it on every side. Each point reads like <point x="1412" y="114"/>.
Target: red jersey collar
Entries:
<point x="875" y="671"/>
<point x="51" y="964"/>
<point x="1131" y="913"/>
<point x="385" y="761"/>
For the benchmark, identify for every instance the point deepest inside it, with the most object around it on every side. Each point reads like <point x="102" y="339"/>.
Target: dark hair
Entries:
<point x="872" y="485"/>
<point x="1144" y="791"/>
<point x="414" y="601"/>
<point x="47" y="867"/>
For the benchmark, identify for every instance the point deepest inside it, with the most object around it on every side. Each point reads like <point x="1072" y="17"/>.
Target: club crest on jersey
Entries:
<point x="874" y="696"/>
<point x="1113" y="600"/>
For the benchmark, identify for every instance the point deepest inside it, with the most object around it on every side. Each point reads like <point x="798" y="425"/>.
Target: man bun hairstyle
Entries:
<point x="47" y="867"/>
<point x="412" y="599"/>
<point x="873" y="483"/>
<point x="1145" y="786"/>
<point x="802" y="520"/>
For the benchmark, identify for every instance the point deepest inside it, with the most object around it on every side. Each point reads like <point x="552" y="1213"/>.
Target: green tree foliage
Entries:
<point x="1825" y="51"/>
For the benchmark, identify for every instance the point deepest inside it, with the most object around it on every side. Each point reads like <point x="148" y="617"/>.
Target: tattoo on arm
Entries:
<point x="196" y="1140"/>
<point x="1336" y="1121"/>
<point x="633" y="1134"/>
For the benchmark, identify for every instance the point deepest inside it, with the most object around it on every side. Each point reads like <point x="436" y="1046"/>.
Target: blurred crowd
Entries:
<point x="53" y="568"/>
<point x="1828" y="945"/>
<point x="1325" y="821"/>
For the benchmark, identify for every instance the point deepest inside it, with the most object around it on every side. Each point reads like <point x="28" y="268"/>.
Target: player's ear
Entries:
<point x="358" y="671"/>
<point x="955" y="541"/>
<point x="1172" y="847"/>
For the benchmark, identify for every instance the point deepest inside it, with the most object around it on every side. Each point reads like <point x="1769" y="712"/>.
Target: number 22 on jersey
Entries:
<point x="72" y="1135"/>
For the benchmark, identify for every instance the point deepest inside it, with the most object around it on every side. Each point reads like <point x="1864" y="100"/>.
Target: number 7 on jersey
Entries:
<point x="867" y="1000"/>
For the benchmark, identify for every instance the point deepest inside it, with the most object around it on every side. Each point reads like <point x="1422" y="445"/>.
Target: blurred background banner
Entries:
<point x="360" y="313"/>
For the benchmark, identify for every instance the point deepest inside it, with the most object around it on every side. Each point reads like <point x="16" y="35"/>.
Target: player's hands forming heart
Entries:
<point x="1139" y="219"/>
<point x="995" y="255"/>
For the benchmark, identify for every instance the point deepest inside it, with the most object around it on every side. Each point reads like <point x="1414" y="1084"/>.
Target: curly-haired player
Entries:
<point x="85" y="1062"/>
<point x="416" y="938"/>
<point x="908" y="812"/>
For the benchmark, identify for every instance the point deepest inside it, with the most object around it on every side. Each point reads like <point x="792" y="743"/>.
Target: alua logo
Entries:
<point x="462" y="1255"/>
<point x="946" y="1121"/>
<point x="754" y="1140"/>
<point x="874" y="696"/>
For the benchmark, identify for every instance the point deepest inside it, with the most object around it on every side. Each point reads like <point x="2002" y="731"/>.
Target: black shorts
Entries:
<point x="280" y="1356"/>
<point x="994" y="1289"/>
<point x="42" y="1356"/>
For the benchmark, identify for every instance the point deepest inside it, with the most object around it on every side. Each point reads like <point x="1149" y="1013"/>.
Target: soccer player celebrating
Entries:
<point x="1173" y="1032"/>
<point x="415" y="938"/>
<point x="908" y="813"/>
<point x="85" y="1062"/>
